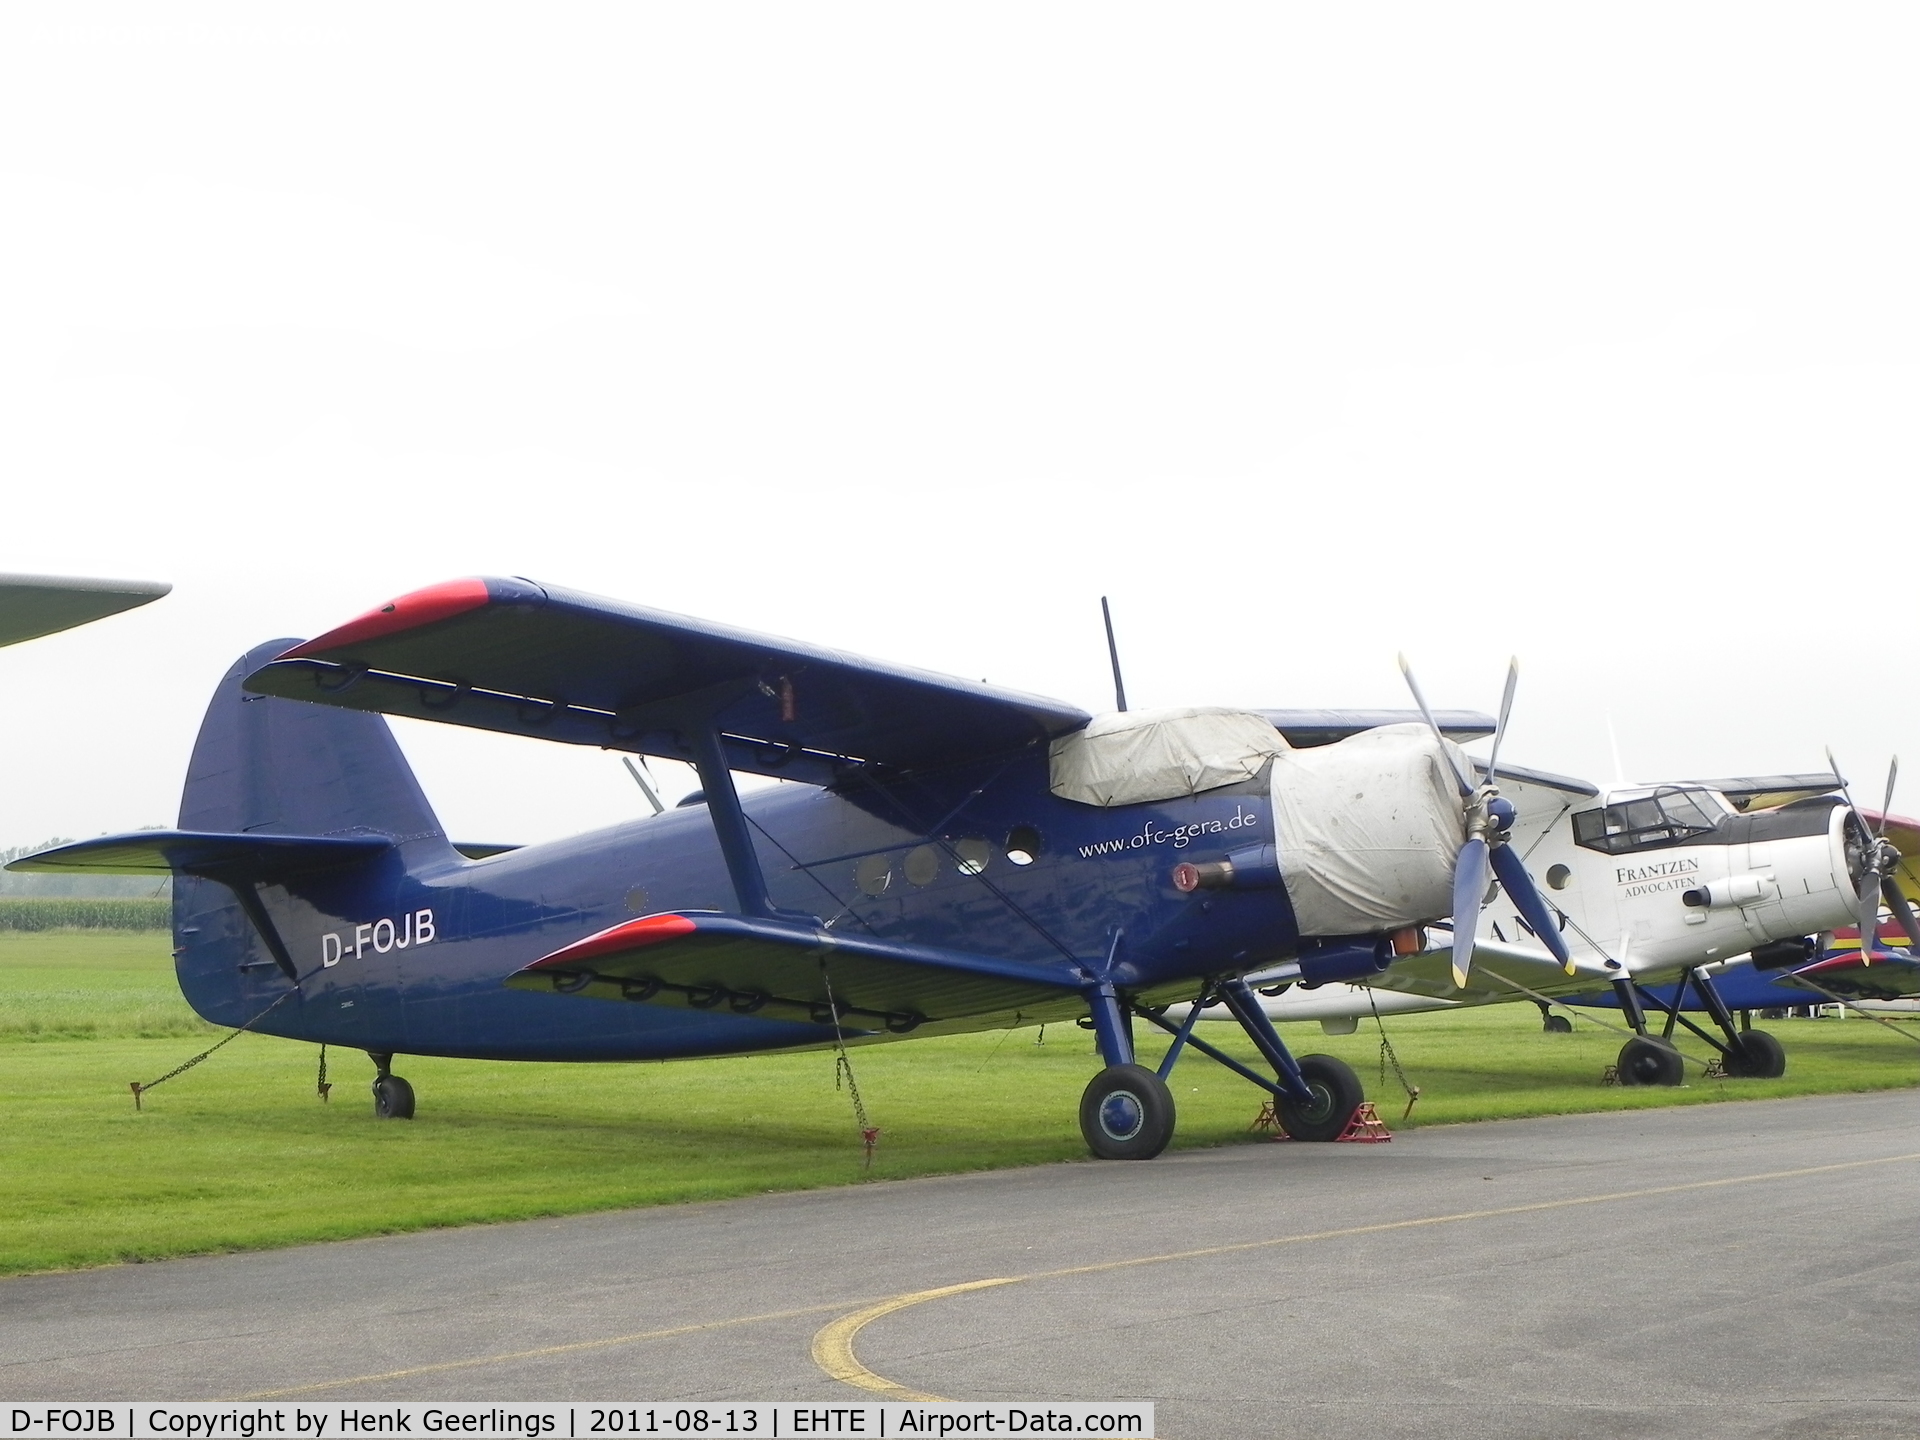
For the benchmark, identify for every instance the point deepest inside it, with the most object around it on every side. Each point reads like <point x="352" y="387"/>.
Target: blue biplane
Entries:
<point x="954" y="857"/>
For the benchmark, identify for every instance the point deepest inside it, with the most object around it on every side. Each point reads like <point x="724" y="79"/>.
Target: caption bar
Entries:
<point x="875" y="1420"/>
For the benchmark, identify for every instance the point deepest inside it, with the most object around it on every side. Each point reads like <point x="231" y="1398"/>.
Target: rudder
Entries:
<point x="284" y="767"/>
<point x="270" y="767"/>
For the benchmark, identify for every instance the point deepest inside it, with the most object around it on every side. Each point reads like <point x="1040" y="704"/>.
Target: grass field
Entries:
<point x="239" y="1153"/>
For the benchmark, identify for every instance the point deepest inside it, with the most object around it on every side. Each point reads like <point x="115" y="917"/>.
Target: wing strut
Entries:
<point x="730" y="826"/>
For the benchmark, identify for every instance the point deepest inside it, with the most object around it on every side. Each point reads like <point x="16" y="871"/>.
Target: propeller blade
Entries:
<point x="1469" y="893"/>
<point x="1902" y="909"/>
<point x="1526" y="897"/>
<point x="1868" y="914"/>
<point x="1500" y="730"/>
<point x="1886" y="805"/>
<point x="1459" y="776"/>
<point x="1841" y="781"/>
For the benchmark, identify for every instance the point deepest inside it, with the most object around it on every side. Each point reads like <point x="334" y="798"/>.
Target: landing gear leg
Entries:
<point x="1126" y="1112"/>
<point x="1643" y="1059"/>
<point x="1316" y="1094"/>
<point x="1748" y="1053"/>
<point x="392" y="1096"/>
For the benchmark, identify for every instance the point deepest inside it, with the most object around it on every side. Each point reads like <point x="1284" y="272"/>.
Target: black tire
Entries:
<point x="1337" y="1093"/>
<point x="1557" y="1025"/>
<point x="1126" y="1113"/>
<point x="1644" y="1061"/>
<point x="392" y="1098"/>
<point x="1759" y="1057"/>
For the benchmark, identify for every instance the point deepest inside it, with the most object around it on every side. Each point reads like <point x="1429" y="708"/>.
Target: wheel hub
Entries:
<point x="1321" y="1105"/>
<point x="1122" y="1115"/>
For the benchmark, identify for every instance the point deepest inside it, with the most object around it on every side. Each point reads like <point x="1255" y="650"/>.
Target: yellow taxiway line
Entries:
<point x="832" y="1347"/>
<point x="833" y="1344"/>
<point x="570" y="1348"/>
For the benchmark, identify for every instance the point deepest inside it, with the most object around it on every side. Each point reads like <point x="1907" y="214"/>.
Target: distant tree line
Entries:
<point x="80" y="912"/>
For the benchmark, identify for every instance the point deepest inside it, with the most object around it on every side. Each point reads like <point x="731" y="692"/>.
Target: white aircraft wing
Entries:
<point x="1539" y="799"/>
<point x="1430" y="973"/>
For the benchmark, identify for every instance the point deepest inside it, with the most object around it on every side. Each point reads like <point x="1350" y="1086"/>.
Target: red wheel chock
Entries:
<point x="1364" y="1128"/>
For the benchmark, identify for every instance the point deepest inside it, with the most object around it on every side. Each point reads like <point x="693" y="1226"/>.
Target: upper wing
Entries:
<point x="560" y="665"/>
<point x="1905" y="835"/>
<point x="1539" y="799"/>
<point x="777" y="968"/>
<point x="1764" y="792"/>
<point x="36" y="605"/>
<point x="1304" y="729"/>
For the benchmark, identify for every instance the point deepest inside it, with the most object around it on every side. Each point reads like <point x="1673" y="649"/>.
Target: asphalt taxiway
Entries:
<point x="1742" y="1269"/>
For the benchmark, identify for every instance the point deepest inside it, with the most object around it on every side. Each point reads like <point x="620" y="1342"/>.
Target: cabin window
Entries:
<point x="974" y="855"/>
<point x="1023" y="845"/>
<point x="1664" y="817"/>
<point x="922" y="865"/>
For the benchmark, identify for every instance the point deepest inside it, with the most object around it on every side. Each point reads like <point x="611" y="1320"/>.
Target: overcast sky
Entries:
<point x="1306" y="334"/>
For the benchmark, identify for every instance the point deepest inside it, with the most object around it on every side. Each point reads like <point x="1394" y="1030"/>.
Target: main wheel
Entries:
<point x="1126" y="1113"/>
<point x="1645" y="1061"/>
<point x="392" y="1098"/>
<point x="1337" y="1093"/>
<point x="1557" y="1025"/>
<point x="1759" y="1057"/>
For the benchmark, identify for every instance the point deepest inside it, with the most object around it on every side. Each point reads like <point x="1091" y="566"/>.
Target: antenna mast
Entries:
<point x="1113" y="654"/>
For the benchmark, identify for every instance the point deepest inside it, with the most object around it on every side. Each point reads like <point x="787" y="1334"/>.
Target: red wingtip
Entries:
<point x="421" y="607"/>
<point x="628" y="935"/>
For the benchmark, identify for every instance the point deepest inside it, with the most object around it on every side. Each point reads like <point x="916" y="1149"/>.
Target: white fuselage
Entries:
<point x="1652" y="880"/>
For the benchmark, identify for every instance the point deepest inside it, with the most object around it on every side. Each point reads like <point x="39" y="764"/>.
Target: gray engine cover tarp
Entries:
<point x="1368" y="830"/>
<point x="1135" y="756"/>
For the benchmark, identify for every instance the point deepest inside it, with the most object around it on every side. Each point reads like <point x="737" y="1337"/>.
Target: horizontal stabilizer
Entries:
<point x="709" y="961"/>
<point x="191" y="852"/>
<point x="523" y="659"/>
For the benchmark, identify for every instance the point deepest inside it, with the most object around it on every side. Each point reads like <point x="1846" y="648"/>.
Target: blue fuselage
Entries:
<point x="408" y="953"/>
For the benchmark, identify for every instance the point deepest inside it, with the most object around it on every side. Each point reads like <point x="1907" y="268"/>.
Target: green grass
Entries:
<point x="81" y="985"/>
<point x="239" y="1154"/>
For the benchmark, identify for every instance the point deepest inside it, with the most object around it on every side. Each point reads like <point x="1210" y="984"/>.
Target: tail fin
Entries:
<point x="326" y="777"/>
<point x="290" y="811"/>
<point x="284" y="767"/>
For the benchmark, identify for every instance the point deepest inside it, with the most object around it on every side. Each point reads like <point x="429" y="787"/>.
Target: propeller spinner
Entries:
<point x="1488" y="819"/>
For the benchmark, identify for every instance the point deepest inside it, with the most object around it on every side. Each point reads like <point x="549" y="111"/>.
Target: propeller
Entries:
<point x="1488" y="817"/>
<point x="1878" y="862"/>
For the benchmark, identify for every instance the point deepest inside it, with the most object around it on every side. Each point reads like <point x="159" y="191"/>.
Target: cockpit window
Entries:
<point x="1664" y="817"/>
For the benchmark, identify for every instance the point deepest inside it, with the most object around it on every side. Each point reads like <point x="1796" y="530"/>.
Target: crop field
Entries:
<point x="239" y="1152"/>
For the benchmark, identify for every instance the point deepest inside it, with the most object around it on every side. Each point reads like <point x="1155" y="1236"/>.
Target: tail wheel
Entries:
<point x="1126" y="1113"/>
<point x="392" y="1098"/>
<point x="1557" y="1025"/>
<point x="1337" y="1093"/>
<point x="1645" y="1061"/>
<point x="1759" y="1057"/>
